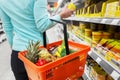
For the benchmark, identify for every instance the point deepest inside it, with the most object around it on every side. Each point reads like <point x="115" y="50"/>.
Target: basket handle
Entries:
<point x="65" y="36"/>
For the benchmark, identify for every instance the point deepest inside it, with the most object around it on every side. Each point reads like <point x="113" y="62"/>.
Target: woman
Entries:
<point x="25" y="20"/>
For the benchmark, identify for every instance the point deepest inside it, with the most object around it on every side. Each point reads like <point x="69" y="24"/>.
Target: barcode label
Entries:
<point x="103" y="20"/>
<point x="115" y="75"/>
<point x="98" y="60"/>
<point x="115" y="21"/>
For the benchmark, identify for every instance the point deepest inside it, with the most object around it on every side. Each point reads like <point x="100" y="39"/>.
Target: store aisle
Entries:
<point x="5" y="69"/>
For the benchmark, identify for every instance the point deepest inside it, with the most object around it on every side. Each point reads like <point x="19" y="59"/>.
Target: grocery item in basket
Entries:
<point x="33" y="51"/>
<point x="39" y="56"/>
<point x="61" y="50"/>
<point x="44" y="54"/>
<point x="41" y="62"/>
<point x="70" y="66"/>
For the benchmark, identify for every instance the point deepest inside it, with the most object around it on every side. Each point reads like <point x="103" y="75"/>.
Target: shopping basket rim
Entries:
<point x="54" y="63"/>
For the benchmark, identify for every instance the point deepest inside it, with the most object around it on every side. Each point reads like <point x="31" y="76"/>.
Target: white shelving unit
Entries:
<point x="110" y="69"/>
<point x="2" y="34"/>
<point x="1" y="30"/>
<point x="86" y="74"/>
<point x="108" y="21"/>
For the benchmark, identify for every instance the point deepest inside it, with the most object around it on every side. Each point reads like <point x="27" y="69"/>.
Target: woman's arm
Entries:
<point x="8" y="28"/>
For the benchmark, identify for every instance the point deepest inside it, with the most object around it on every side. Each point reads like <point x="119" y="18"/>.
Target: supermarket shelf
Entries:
<point x="0" y="22"/>
<point x="110" y="69"/>
<point x="1" y="30"/>
<point x="2" y="37"/>
<point x="76" y="39"/>
<point x="109" y="21"/>
<point x="86" y="74"/>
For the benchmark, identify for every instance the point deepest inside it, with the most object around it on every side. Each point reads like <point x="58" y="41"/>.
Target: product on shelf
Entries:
<point x="116" y="48"/>
<point x="110" y="49"/>
<point x="106" y="35"/>
<point x="109" y="77"/>
<point x="82" y="27"/>
<point x="88" y="32"/>
<point x="96" y="36"/>
<point x="117" y="35"/>
<point x="98" y="73"/>
<point x="93" y="27"/>
<point x="111" y="9"/>
<point x="109" y="55"/>
<point x="95" y="71"/>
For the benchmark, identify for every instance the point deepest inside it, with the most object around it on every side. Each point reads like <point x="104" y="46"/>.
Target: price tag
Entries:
<point x="103" y="20"/>
<point x="108" y="21"/>
<point x="98" y="60"/>
<point x="87" y="19"/>
<point x="115" y="75"/>
<point x="115" y="21"/>
<point x="90" y="53"/>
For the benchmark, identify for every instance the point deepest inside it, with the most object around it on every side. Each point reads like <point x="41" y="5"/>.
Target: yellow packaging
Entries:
<point x="96" y="36"/>
<point x="82" y="27"/>
<point x="103" y="41"/>
<point x="111" y="9"/>
<point x="109" y="55"/>
<point x="106" y="35"/>
<point x="117" y="35"/>
<point x="116" y="48"/>
<point x="71" y="6"/>
<point x="88" y="32"/>
<point x="98" y="73"/>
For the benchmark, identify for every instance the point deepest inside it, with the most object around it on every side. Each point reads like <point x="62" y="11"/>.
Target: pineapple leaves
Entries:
<point x="33" y="50"/>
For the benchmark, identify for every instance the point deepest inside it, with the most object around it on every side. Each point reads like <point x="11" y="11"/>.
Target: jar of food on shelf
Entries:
<point x="96" y="37"/>
<point x="106" y="35"/>
<point x="83" y="26"/>
<point x="93" y="27"/>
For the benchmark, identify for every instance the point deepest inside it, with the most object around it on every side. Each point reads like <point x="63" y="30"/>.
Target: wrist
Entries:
<point x="61" y="15"/>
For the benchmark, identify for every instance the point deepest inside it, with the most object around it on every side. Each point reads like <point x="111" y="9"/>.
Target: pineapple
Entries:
<point x="32" y="51"/>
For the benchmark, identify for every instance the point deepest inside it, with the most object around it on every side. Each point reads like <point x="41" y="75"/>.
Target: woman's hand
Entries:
<point x="65" y="13"/>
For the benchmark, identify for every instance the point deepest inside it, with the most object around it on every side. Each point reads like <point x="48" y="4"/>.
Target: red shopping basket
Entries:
<point x="68" y="67"/>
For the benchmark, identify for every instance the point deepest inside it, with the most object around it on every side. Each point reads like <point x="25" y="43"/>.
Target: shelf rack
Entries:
<point x="2" y="34"/>
<point x="108" y="21"/>
<point x="86" y="74"/>
<point x="110" y="69"/>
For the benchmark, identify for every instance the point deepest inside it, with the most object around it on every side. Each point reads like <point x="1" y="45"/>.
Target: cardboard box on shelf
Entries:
<point x="111" y="9"/>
